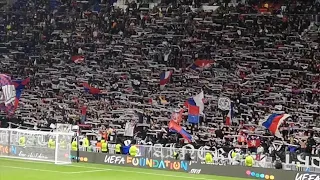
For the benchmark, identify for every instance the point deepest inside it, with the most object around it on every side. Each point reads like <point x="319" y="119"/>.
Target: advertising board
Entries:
<point x="34" y="153"/>
<point x="157" y="163"/>
<point x="195" y="168"/>
<point x="83" y="157"/>
<point x="154" y="163"/>
<point x="307" y="176"/>
<point x="251" y="172"/>
<point x="27" y="152"/>
<point x="5" y="150"/>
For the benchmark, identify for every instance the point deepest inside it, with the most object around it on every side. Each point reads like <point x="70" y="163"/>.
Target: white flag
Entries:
<point x="128" y="131"/>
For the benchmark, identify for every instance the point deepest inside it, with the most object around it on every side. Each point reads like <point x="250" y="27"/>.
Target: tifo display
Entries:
<point x="159" y="90"/>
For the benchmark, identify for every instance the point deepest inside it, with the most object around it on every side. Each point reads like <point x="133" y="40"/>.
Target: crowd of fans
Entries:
<point x="266" y="59"/>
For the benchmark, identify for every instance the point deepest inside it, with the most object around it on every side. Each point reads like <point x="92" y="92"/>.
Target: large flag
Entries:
<point x="8" y="95"/>
<point x="19" y="85"/>
<point x="165" y="78"/>
<point x="253" y="141"/>
<point x="273" y="122"/>
<point x="196" y="101"/>
<point x="194" y="114"/>
<point x="201" y="64"/>
<point x="230" y="115"/>
<point x="91" y="90"/>
<point x="174" y="126"/>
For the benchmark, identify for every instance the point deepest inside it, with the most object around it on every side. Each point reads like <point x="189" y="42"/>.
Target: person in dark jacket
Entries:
<point x="188" y="157"/>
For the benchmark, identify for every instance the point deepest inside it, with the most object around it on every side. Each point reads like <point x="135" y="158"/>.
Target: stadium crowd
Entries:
<point x="265" y="58"/>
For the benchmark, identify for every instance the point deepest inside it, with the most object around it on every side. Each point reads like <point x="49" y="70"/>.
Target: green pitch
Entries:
<point x="14" y="169"/>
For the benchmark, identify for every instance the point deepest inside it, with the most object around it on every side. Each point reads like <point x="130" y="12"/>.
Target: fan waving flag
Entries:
<point x="273" y="122"/>
<point x="177" y="116"/>
<point x="229" y="116"/>
<point x="201" y="64"/>
<point x="19" y="85"/>
<point x="165" y="78"/>
<point x="196" y="101"/>
<point x="174" y="126"/>
<point x="91" y="90"/>
<point x="194" y="114"/>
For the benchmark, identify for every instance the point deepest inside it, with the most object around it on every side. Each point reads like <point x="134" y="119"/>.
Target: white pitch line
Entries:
<point x="79" y="172"/>
<point x="33" y="169"/>
<point x="118" y="170"/>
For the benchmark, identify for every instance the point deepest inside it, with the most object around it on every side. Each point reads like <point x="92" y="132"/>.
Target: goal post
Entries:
<point x="36" y="145"/>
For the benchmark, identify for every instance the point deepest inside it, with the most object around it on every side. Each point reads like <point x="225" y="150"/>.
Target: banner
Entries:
<point x="251" y="172"/>
<point x="307" y="176"/>
<point x="28" y="152"/>
<point x="197" y="167"/>
<point x="197" y="154"/>
<point x="141" y="162"/>
<point x="5" y="150"/>
<point x="157" y="163"/>
<point x="222" y="155"/>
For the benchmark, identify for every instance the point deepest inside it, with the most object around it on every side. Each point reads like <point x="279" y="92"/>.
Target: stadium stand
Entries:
<point x="98" y="65"/>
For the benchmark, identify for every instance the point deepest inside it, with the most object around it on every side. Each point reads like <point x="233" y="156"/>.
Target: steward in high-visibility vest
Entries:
<point x="249" y="161"/>
<point x="22" y="141"/>
<point x="118" y="148"/>
<point x="233" y="155"/>
<point x="86" y="143"/>
<point x="236" y="157"/>
<point x="89" y="149"/>
<point x="175" y="155"/>
<point x="104" y="146"/>
<point x="209" y="158"/>
<point x="74" y="145"/>
<point x="133" y="151"/>
<point x="51" y="144"/>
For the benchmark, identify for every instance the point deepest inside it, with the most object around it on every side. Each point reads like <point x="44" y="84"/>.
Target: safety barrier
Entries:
<point x="193" y="167"/>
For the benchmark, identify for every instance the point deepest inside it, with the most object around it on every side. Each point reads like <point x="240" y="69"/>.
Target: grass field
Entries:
<point x="14" y="169"/>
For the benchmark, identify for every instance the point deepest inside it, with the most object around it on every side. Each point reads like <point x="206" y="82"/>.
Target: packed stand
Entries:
<point x="264" y="62"/>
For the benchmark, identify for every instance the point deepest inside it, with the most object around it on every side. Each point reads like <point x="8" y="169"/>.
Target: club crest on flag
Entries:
<point x="224" y="103"/>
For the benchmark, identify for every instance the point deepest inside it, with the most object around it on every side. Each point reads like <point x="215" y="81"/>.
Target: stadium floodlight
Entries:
<point x="36" y="145"/>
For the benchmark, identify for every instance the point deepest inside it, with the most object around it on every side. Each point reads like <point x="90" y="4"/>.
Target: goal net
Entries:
<point x="36" y="145"/>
